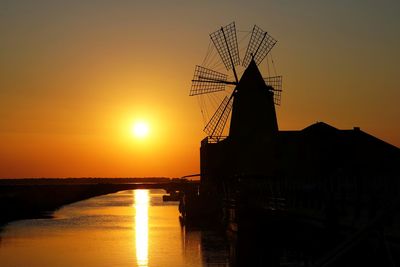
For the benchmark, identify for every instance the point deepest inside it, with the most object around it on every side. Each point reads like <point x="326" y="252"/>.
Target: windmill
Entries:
<point x="209" y="81"/>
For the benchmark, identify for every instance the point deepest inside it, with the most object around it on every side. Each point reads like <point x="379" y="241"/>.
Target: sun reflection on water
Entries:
<point x="142" y="227"/>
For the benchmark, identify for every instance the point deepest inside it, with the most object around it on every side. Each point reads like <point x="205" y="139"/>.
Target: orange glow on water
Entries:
<point x="142" y="227"/>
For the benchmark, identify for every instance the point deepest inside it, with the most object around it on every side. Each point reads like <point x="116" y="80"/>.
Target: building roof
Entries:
<point x="322" y="148"/>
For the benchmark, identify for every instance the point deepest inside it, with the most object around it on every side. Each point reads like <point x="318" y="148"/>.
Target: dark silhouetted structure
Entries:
<point x="339" y="185"/>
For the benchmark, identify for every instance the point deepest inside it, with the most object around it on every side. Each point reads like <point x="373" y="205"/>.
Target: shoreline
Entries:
<point x="20" y="202"/>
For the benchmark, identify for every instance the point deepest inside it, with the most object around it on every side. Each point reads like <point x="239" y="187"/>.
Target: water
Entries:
<point x="129" y="228"/>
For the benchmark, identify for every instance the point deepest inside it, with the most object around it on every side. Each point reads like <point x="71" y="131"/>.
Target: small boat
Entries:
<point x="173" y="196"/>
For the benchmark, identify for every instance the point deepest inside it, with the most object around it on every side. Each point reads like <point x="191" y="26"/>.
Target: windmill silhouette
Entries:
<point x="258" y="173"/>
<point x="243" y="100"/>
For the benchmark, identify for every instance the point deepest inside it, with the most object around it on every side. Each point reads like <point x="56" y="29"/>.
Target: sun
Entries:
<point x="140" y="129"/>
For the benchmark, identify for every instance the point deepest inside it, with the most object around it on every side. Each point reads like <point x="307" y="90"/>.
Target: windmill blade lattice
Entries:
<point x="207" y="81"/>
<point x="216" y="125"/>
<point x="259" y="46"/>
<point x="225" y="41"/>
<point x="275" y="83"/>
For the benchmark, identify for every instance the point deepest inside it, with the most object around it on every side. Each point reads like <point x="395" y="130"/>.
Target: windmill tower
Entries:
<point x="253" y="123"/>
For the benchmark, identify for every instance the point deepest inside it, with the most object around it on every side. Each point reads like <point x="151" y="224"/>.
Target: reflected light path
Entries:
<point x="142" y="227"/>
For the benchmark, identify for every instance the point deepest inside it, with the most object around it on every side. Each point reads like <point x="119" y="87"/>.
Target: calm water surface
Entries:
<point x="129" y="228"/>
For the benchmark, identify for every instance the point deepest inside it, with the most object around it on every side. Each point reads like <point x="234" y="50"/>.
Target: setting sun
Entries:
<point x="140" y="129"/>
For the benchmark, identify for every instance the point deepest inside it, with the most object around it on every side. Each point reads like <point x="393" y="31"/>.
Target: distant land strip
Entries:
<point x="40" y="197"/>
<point x="82" y="180"/>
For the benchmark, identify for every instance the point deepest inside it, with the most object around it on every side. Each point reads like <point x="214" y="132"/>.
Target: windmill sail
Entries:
<point x="225" y="41"/>
<point x="275" y="83"/>
<point x="259" y="46"/>
<point x="216" y="125"/>
<point x="207" y="81"/>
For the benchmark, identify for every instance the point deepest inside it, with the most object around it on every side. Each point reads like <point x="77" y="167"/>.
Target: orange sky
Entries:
<point x="75" y="76"/>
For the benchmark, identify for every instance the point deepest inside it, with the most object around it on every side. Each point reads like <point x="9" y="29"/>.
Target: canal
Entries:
<point x="128" y="228"/>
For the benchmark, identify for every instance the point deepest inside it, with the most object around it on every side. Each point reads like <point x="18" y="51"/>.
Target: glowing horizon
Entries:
<point x="75" y="76"/>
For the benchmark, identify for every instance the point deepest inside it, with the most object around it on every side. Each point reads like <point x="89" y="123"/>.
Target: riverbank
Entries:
<point x="37" y="201"/>
<point x="38" y="198"/>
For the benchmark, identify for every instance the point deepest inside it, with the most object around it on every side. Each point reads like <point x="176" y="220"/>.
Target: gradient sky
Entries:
<point x="75" y="76"/>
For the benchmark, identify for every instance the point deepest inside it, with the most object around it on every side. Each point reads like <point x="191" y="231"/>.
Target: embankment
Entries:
<point x="33" y="201"/>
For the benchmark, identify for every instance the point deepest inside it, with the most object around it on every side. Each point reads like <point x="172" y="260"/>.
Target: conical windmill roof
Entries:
<point x="253" y="111"/>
